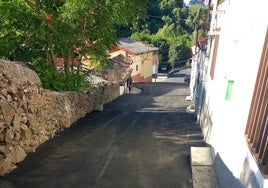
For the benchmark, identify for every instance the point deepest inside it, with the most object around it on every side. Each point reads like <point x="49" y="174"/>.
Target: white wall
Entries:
<point x="243" y="29"/>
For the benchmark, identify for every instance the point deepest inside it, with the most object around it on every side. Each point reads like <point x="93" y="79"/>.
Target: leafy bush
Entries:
<point x="55" y="80"/>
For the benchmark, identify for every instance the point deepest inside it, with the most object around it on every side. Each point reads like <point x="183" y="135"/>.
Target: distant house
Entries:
<point x="229" y="88"/>
<point x="142" y="58"/>
<point x="117" y="71"/>
<point x="59" y="63"/>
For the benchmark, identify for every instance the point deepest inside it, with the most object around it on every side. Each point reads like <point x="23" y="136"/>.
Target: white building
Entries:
<point x="230" y="90"/>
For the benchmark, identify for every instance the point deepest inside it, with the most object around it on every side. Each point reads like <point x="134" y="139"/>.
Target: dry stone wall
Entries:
<point x="30" y="115"/>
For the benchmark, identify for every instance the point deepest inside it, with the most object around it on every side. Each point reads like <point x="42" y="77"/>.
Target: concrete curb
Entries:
<point x="203" y="172"/>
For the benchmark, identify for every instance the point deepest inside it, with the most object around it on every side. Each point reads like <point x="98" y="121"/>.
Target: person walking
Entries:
<point x="129" y="84"/>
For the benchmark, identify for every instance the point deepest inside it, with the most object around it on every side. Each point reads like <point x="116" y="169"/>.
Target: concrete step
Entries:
<point x="203" y="172"/>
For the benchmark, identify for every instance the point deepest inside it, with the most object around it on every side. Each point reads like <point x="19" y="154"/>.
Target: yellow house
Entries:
<point x="142" y="58"/>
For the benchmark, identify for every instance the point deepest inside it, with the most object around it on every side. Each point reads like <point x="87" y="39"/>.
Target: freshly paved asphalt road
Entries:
<point x="138" y="141"/>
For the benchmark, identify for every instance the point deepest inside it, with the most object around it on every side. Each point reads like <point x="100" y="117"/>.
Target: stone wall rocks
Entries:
<point x="30" y="115"/>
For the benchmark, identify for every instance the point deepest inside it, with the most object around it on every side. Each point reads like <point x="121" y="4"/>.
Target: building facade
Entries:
<point x="142" y="58"/>
<point x="229" y="88"/>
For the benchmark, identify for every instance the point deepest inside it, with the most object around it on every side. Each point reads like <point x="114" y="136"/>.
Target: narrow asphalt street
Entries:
<point x="138" y="141"/>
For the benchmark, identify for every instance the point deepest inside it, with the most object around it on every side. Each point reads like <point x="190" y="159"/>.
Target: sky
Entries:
<point x="186" y="1"/>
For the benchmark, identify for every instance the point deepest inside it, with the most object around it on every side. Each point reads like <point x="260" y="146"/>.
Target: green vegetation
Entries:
<point x="173" y="28"/>
<point x="38" y="31"/>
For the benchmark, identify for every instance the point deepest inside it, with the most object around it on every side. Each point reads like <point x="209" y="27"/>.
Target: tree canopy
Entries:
<point x="172" y="27"/>
<point x="39" y="31"/>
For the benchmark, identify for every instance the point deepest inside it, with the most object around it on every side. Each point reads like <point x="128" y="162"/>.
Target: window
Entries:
<point x="257" y="125"/>
<point x="214" y="56"/>
<point x="137" y="67"/>
<point x="229" y="90"/>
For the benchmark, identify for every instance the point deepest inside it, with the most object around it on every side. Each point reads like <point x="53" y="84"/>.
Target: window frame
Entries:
<point x="256" y="132"/>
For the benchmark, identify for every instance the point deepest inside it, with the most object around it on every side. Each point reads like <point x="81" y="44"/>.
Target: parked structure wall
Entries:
<point x="143" y="60"/>
<point x="223" y="99"/>
<point x="30" y="115"/>
<point x="141" y="65"/>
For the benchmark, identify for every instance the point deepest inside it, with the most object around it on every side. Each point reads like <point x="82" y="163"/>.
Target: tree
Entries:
<point x="197" y="21"/>
<point x="63" y="28"/>
<point x="17" y="39"/>
<point x="167" y="6"/>
<point x="180" y="50"/>
<point x="163" y="46"/>
<point x="145" y="37"/>
<point x="171" y="27"/>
